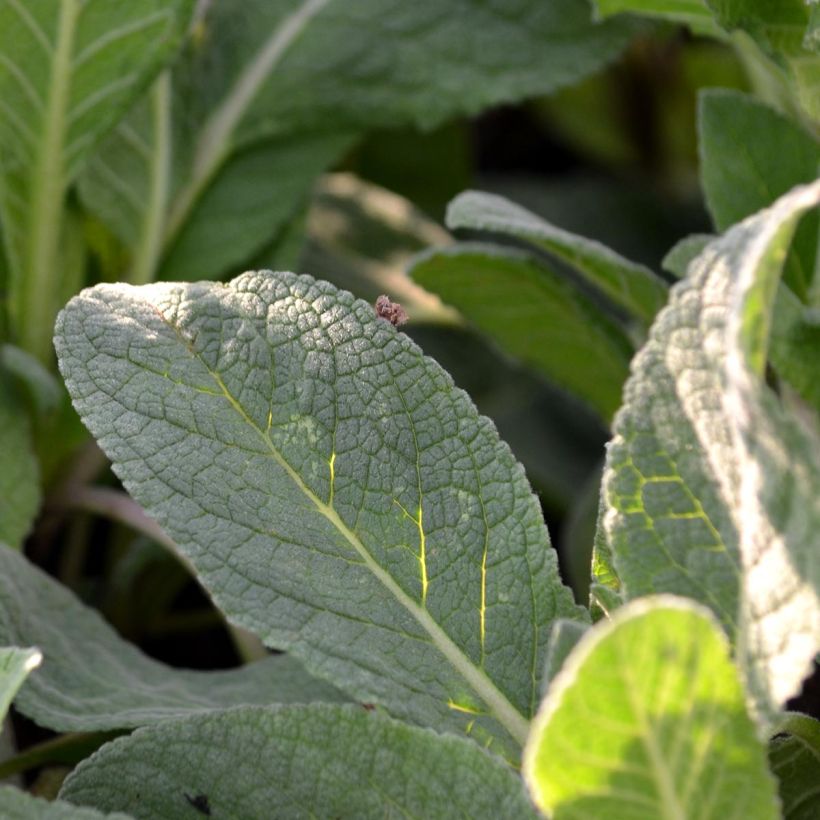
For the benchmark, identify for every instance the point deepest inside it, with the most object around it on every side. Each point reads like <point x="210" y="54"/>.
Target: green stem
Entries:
<point x="37" y="299"/>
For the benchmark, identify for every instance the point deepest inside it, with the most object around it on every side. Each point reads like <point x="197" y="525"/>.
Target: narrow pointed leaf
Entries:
<point x="647" y="720"/>
<point x="91" y="679"/>
<point x="319" y="761"/>
<point x="335" y="492"/>
<point x="19" y="805"/>
<point x="15" y="665"/>
<point x="711" y="487"/>
<point x="534" y="314"/>
<point x="627" y="284"/>
<point x="69" y="69"/>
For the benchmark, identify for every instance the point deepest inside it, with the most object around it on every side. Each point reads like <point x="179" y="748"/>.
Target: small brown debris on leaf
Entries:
<point x="392" y="311"/>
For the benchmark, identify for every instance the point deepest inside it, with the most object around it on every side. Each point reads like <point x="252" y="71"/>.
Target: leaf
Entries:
<point x="333" y="490"/>
<point x="297" y="76"/>
<point x="794" y="757"/>
<point x="711" y="488"/>
<point x="68" y="71"/>
<point x="15" y="665"/>
<point x="677" y="260"/>
<point x="647" y="720"/>
<point x="19" y="473"/>
<point x="91" y="679"/>
<point x="18" y="805"/>
<point x="692" y="13"/>
<point x="780" y="29"/>
<point x="738" y="137"/>
<point x="626" y="284"/>
<point x="318" y="761"/>
<point x="535" y="315"/>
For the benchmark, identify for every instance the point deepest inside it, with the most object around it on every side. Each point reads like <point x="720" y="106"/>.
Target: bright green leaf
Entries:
<point x="318" y="761"/>
<point x="19" y="473"/>
<point x="91" y="679"/>
<point x="647" y="720"/>
<point x="15" y="665"/>
<point x="627" y="284"/>
<point x="334" y="491"/>
<point x="19" y="805"/>
<point x="692" y="13"/>
<point x="738" y="138"/>
<point x="534" y="314"/>
<point x="69" y="70"/>
<point x="711" y="488"/>
<point x="794" y="757"/>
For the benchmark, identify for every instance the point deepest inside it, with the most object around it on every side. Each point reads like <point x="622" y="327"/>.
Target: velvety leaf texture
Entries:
<point x="335" y="492"/>
<point x="15" y="665"/>
<point x="711" y="487"/>
<point x="19" y="805"/>
<point x="534" y="314"/>
<point x="647" y="720"/>
<point x="91" y="679"/>
<point x="320" y="761"/>
<point x="627" y="284"/>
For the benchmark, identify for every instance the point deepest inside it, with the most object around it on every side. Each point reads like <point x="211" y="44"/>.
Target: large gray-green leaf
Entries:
<point x="794" y="757"/>
<point x="68" y="70"/>
<point x="738" y="138"/>
<point x="335" y="492"/>
<point x="692" y="13"/>
<point x="307" y="762"/>
<point x="15" y="665"/>
<point x="18" y="805"/>
<point x="647" y="720"/>
<point x="91" y="679"/>
<point x="19" y="473"/>
<point x="629" y="285"/>
<point x="297" y="71"/>
<point x="536" y="315"/>
<point x="711" y="487"/>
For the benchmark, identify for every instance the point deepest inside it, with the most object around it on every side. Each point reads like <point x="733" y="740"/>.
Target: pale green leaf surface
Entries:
<point x="335" y="492"/>
<point x="710" y="489"/>
<point x="564" y="635"/>
<point x="794" y="758"/>
<point x="682" y="253"/>
<point x="19" y="472"/>
<point x="738" y="137"/>
<point x="628" y="284"/>
<point x="15" y="665"/>
<point x="19" y="805"/>
<point x="692" y="13"/>
<point x="68" y="71"/>
<point x="647" y="720"/>
<point x="319" y="761"/>
<point x="91" y="679"/>
<point x="534" y="314"/>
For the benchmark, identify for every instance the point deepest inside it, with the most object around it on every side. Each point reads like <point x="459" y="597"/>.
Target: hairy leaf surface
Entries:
<point x="647" y="720"/>
<point x="318" y="761"/>
<point x="794" y="758"/>
<point x="711" y="486"/>
<point x="534" y="314"/>
<point x="68" y="70"/>
<point x="628" y="284"/>
<point x="91" y="679"/>
<point x="335" y="492"/>
<point x="19" y="805"/>
<point x="692" y="13"/>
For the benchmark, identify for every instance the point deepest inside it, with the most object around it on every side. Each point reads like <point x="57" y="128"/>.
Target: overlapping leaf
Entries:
<point x="629" y="285"/>
<point x="68" y="70"/>
<point x="318" y="761"/>
<point x="18" y="805"/>
<point x="692" y="13"/>
<point x="534" y="314"/>
<point x="647" y="720"/>
<point x="15" y="665"/>
<point x="292" y="83"/>
<point x="794" y="758"/>
<point x="91" y="679"/>
<point x="711" y="487"/>
<point x="334" y="491"/>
